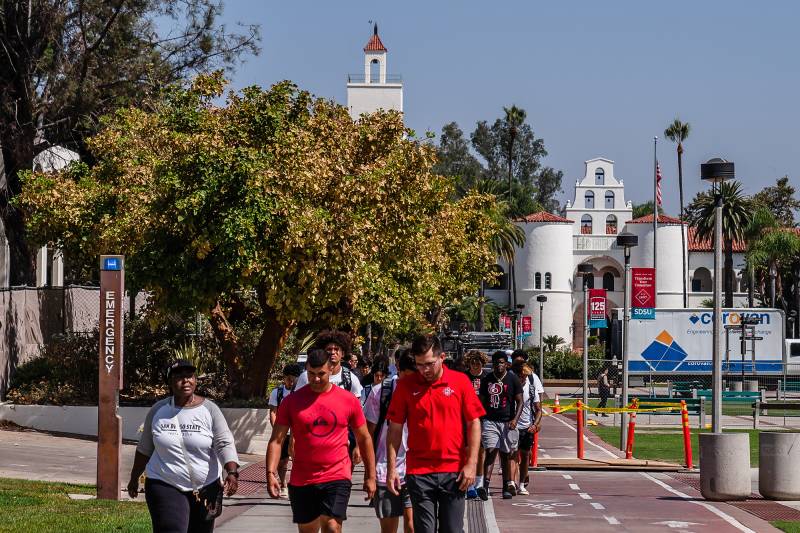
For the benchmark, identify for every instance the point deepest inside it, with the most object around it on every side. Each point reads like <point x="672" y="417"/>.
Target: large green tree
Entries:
<point x="780" y="200"/>
<point x="66" y="63"/>
<point x="644" y="209"/>
<point x="736" y="214"/>
<point x="276" y="210"/>
<point x="678" y="132"/>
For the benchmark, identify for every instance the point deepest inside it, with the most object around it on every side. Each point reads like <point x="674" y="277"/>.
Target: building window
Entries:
<point x="374" y="71"/>
<point x="537" y="280"/>
<point x="500" y="282"/>
<point x="589" y="199"/>
<point x="608" y="281"/>
<point x="701" y="280"/>
<point x="599" y="177"/>
<point x="611" y="225"/>
<point x="586" y="225"/>
<point x="548" y="281"/>
<point x="609" y="199"/>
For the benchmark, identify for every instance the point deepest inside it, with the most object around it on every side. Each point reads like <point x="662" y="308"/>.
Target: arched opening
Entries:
<point x="701" y="280"/>
<point x="589" y="281"/>
<point x="599" y="176"/>
<point x="501" y="281"/>
<point x="537" y="280"/>
<point x="609" y="199"/>
<point x="586" y="225"/>
<point x="611" y="225"/>
<point x="374" y="71"/>
<point x="589" y="199"/>
<point x="608" y="281"/>
<point x="548" y="281"/>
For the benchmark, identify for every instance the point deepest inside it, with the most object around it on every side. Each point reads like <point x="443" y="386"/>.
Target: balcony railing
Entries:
<point x="598" y="243"/>
<point x="360" y="78"/>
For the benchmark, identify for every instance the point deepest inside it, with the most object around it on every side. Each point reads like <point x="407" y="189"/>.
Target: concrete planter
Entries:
<point x="250" y="427"/>
<point x="779" y="465"/>
<point x="725" y="466"/>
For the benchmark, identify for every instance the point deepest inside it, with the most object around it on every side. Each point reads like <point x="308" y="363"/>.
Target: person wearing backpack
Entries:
<point x="378" y="372"/>
<point x="389" y="507"/>
<point x="278" y="394"/>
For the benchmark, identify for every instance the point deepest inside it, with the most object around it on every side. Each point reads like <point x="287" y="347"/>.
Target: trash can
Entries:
<point x="736" y="386"/>
<point x="751" y="385"/>
<point x="779" y="465"/>
<point x="725" y="466"/>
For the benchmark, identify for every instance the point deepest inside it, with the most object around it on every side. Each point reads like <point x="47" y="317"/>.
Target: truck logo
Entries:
<point x="729" y="318"/>
<point x="694" y="319"/>
<point x="664" y="354"/>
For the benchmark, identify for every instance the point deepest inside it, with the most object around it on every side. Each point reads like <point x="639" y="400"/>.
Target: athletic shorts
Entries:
<point x="285" y="448"/>
<point x="498" y="436"/>
<point x="387" y="505"/>
<point x="525" y="440"/>
<point x="309" y="502"/>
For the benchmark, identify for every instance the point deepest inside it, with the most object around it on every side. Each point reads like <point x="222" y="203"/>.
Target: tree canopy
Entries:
<point x="780" y="200"/>
<point x="277" y="199"/>
<point x="66" y="63"/>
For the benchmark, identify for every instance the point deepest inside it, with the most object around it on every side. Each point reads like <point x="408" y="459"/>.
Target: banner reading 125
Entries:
<point x="597" y="308"/>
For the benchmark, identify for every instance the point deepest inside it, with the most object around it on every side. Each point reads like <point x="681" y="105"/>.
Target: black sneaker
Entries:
<point x="511" y="487"/>
<point x="507" y="495"/>
<point x="483" y="494"/>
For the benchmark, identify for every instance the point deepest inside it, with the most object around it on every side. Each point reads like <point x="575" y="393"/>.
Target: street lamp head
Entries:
<point x="627" y="240"/>
<point x="585" y="268"/>
<point x="541" y="298"/>
<point x="717" y="170"/>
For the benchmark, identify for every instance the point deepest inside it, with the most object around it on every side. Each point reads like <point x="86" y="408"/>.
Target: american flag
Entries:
<point x="658" y="184"/>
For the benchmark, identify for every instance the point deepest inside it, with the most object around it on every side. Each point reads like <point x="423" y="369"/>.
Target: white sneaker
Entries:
<point x="285" y="493"/>
<point x="522" y="491"/>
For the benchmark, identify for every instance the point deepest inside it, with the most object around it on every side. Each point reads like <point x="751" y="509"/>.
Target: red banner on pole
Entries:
<point x="527" y="325"/>
<point x="643" y="293"/>
<point x="597" y="308"/>
<point x="505" y="323"/>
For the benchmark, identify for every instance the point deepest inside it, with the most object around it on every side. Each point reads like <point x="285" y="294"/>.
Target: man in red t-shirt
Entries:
<point x="319" y="416"/>
<point x="442" y="413"/>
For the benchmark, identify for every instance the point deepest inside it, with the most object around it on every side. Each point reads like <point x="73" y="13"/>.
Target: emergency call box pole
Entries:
<point x="109" y="423"/>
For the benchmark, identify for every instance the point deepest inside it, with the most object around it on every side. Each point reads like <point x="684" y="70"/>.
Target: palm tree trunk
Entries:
<point x="683" y="227"/>
<point x="772" y="275"/>
<point x="368" y="341"/>
<point x="481" y="307"/>
<point x="728" y="279"/>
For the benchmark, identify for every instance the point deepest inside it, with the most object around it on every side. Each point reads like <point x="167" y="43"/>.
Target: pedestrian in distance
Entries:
<point x="319" y="416"/>
<point x="501" y="395"/>
<point x="442" y="413"/>
<point x="603" y="388"/>
<point x="475" y="360"/>
<point x="278" y="394"/>
<point x="390" y="507"/>
<point x="529" y="424"/>
<point x="378" y="372"/>
<point x="184" y="440"/>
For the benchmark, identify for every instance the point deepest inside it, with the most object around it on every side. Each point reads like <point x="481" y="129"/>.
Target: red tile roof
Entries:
<point x="544" y="216"/>
<point x="695" y="244"/>
<point x="375" y="44"/>
<point x="662" y="219"/>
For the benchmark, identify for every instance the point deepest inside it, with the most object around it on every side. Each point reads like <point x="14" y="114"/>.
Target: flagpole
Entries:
<point x="655" y="216"/>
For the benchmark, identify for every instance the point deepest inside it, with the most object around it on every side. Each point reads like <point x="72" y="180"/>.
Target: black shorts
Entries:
<point x="387" y="505"/>
<point x="309" y="502"/>
<point x="525" y="440"/>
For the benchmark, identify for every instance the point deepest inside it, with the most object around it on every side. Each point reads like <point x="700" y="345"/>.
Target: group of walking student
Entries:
<point x="403" y="424"/>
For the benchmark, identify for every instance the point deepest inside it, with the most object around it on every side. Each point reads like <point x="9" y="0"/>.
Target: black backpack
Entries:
<point x="347" y="379"/>
<point x="386" y="398"/>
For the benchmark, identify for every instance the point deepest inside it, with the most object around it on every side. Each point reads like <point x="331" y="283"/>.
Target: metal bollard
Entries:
<point x="687" y="435"/>
<point x="580" y="429"/>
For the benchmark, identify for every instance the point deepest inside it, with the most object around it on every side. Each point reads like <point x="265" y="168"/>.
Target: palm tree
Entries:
<point x="515" y="117"/>
<point x="552" y="342"/>
<point x="677" y="132"/>
<point x="774" y="251"/>
<point x="736" y="216"/>
<point x="762" y="221"/>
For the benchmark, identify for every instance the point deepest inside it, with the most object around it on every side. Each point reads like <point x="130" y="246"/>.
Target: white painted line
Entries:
<point x="573" y="486"/>
<point x="598" y="506"/>
<point x="611" y="520"/>
<point x="584" y="496"/>
<point x="728" y="518"/>
<point x="488" y="514"/>
<point x="546" y="456"/>
<point x="566" y="476"/>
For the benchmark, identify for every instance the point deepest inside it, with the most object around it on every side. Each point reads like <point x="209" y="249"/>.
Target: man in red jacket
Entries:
<point x="436" y="404"/>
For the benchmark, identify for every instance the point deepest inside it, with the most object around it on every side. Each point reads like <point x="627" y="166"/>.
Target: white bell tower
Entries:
<point x="375" y="89"/>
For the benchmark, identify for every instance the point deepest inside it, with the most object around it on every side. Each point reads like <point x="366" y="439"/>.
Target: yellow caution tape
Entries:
<point x="574" y="406"/>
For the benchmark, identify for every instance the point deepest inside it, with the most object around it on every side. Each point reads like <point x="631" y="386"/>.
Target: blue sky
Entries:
<point x="596" y="78"/>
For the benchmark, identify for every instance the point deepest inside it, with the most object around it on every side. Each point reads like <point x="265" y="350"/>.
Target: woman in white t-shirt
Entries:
<point x="184" y="439"/>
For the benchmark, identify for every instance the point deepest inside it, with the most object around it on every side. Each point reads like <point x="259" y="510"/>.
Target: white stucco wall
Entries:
<point x="368" y="98"/>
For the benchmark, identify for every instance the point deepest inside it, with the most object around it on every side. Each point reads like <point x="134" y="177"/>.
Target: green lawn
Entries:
<point x="667" y="444"/>
<point x="789" y="527"/>
<point x="36" y="506"/>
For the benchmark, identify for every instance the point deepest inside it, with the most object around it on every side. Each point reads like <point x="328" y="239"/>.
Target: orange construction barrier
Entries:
<point x="631" y="431"/>
<point x="535" y="451"/>
<point x="556" y="406"/>
<point x="580" y="429"/>
<point x="687" y="435"/>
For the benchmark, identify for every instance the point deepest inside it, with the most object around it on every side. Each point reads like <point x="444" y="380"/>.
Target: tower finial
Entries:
<point x="375" y="28"/>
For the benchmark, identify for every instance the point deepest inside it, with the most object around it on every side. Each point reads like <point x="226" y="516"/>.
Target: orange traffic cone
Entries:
<point x="556" y="406"/>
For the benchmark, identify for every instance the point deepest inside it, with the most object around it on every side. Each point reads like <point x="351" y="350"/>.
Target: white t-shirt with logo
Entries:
<point x="526" y="417"/>
<point x="372" y="412"/>
<point x="336" y="379"/>
<point x="206" y="436"/>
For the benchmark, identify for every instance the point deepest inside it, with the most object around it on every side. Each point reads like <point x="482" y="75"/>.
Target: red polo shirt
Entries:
<point x="436" y="414"/>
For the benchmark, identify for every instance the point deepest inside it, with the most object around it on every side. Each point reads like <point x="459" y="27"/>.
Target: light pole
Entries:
<point x="585" y="270"/>
<point x="626" y="241"/>
<point x="541" y="299"/>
